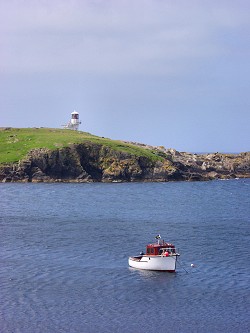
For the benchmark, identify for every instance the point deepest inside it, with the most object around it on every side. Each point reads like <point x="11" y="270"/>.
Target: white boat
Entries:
<point x="160" y="256"/>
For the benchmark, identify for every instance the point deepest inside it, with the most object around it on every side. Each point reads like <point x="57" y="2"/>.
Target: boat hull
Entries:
<point x="154" y="263"/>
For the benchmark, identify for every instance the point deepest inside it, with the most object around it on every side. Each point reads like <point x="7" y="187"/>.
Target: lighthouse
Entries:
<point x="74" y="122"/>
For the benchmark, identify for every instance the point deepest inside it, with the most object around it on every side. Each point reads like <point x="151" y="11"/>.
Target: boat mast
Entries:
<point x="158" y="237"/>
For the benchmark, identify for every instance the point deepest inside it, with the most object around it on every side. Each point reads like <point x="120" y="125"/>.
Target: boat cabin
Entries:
<point x="160" y="249"/>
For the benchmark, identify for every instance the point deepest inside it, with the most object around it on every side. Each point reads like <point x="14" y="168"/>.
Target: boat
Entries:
<point x="160" y="256"/>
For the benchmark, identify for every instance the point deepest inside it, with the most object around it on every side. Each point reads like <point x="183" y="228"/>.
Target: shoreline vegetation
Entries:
<point x="59" y="155"/>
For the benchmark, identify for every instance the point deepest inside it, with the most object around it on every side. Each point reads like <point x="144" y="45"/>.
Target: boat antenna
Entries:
<point x="158" y="237"/>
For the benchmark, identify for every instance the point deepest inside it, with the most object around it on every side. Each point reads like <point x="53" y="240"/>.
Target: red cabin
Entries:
<point x="160" y="249"/>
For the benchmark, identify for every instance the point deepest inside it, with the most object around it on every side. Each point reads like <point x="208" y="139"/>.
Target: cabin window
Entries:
<point x="148" y="251"/>
<point x="152" y="250"/>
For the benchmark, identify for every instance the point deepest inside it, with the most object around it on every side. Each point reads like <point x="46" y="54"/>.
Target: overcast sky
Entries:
<point x="164" y="72"/>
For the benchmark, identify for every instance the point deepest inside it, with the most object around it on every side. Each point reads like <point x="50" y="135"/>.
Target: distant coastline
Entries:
<point x="54" y="155"/>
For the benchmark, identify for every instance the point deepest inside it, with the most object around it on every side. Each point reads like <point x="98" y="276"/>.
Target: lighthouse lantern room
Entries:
<point x="74" y="122"/>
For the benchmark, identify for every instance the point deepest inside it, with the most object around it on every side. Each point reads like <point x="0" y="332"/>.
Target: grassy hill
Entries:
<point x="15" y="143"/>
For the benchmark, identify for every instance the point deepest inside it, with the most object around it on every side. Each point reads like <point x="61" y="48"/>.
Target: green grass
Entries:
<point x="15" y="143"/>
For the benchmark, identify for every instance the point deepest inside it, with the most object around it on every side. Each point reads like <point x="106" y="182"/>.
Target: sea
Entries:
<point x="64" y="252"/>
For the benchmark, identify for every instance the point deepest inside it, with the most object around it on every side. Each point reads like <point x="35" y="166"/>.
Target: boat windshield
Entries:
<point x="166" y="249"/>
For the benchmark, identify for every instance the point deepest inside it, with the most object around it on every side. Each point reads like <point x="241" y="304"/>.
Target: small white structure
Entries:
<point x="74" y="122"/>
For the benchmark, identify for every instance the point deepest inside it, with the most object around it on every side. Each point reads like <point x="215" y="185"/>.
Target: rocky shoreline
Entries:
<point x="89" y="162"/>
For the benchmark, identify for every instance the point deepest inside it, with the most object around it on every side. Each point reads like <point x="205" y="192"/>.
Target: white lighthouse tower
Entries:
<point x="74" y="122"/>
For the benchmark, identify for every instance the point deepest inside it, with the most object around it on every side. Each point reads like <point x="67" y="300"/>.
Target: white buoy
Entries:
<point x="192" y="265"/>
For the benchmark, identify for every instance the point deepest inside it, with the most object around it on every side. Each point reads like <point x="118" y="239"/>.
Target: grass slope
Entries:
<point x="15" y="143"/>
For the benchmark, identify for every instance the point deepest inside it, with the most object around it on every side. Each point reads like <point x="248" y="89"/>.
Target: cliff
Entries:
<point x="102" y="161"/>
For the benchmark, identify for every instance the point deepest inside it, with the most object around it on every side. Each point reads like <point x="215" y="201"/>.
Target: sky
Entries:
<point x="171" y="73"/>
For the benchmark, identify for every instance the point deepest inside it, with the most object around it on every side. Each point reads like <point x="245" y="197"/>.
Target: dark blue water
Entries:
<point x="64" y="251"/>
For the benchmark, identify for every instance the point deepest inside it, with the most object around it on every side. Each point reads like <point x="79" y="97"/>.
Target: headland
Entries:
<point x="56" y="155"/>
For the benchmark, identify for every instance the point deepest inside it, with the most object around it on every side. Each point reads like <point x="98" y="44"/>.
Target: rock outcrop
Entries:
<point x="89" y="162"/>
